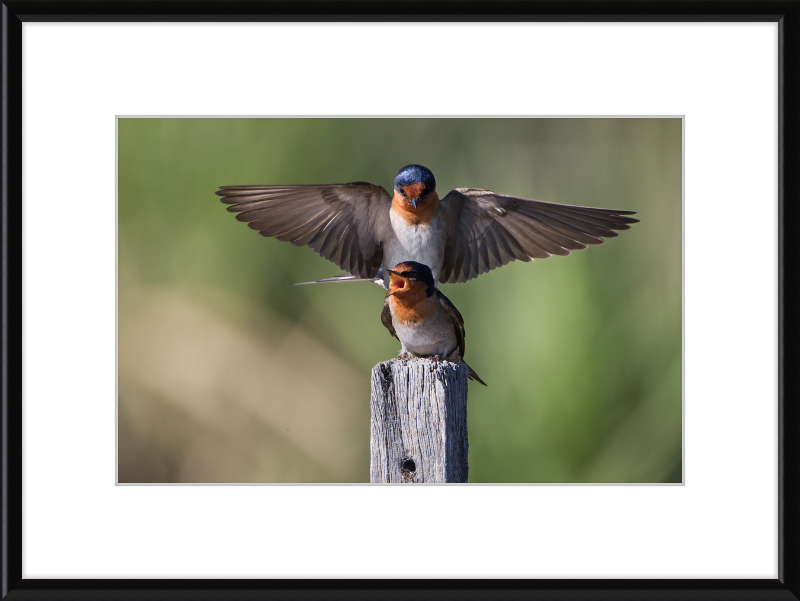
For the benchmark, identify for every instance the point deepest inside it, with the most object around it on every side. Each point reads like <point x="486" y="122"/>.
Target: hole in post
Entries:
<point x="408" y="468"/>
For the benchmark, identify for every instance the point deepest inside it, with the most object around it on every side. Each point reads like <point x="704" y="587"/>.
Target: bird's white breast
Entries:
<point x="434" y="336"/>
<point x="423" y="243"/>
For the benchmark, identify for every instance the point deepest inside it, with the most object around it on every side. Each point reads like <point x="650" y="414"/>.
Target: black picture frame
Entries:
<point x="14" y="12"/>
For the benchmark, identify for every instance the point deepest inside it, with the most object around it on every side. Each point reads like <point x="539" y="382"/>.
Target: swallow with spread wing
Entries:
<point x="423" y="319"/>
<point x="470" y="231"/>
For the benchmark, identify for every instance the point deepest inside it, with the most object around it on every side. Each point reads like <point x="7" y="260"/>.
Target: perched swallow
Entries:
<point x="423" y="319"/>
<point x="470" y="231"/>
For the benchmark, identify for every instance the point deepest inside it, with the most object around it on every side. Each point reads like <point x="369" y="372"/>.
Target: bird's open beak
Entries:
<point x="396" y="282"/>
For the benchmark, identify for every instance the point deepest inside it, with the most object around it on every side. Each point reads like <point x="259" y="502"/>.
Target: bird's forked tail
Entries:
<point x="345" y="277"/>
<point x="473" y="375"/>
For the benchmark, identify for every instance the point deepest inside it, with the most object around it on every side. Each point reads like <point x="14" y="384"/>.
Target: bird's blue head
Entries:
<point x="414" y="182"/>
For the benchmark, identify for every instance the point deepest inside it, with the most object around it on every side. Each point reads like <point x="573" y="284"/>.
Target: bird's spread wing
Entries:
<point x="487" y="230"/>
<point x="343" y="222"/>
<point x="386" y="318"/>
<point x="455" y="317"/>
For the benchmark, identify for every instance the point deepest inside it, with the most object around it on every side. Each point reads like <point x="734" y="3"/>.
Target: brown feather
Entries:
<point x="461" y="333"/>
<point x="487" y="230"/>
<point x="345" y="223"/>
<point x="386" y="317"/>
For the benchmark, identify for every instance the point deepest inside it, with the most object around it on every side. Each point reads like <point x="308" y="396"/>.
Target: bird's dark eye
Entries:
<point x="413" y="275"/>
<point x="406" y="274"/>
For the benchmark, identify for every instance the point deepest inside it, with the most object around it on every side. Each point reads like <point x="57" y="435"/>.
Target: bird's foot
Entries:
<point x="405" y="356"/>
<point x="436" y="358"/>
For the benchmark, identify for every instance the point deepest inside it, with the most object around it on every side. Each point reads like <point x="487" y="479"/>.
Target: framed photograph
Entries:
<point x="635" y="435"/>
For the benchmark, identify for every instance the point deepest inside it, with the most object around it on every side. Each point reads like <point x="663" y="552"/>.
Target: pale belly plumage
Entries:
<point x="421" y="243"/>
<point x="435" y="337"/>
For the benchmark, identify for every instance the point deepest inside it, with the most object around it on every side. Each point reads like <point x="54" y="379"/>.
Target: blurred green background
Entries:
<point x="228" y="374"/>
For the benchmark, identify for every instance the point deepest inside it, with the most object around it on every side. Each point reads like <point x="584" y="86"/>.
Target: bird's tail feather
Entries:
<point x="473" y="375"/>
<point x="343" y="277"/>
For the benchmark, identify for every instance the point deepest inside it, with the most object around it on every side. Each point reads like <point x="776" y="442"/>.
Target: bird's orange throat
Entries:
<point x="413" y="190"/>
<point x="424" y="212"/>
<point x="411" y="306"/>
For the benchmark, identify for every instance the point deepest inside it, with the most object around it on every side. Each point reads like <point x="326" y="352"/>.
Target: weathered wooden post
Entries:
<point x="419" y="422"/>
